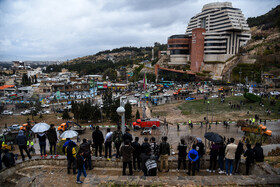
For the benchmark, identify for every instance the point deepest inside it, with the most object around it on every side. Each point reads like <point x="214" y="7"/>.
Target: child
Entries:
<point x="81" y="166"/>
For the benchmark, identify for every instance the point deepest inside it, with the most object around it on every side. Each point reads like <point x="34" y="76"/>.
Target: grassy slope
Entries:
<point x="217" y="108"/>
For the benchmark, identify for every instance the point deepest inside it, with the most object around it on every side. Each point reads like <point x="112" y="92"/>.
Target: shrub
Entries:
<point x="252" y="97"/>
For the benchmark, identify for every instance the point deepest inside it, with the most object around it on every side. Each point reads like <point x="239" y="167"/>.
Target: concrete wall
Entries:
<point x="179" y="59"/>
<point x="258" y="169"/>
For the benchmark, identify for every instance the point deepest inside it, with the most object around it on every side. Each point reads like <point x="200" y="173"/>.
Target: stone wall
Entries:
<point x="259" y="169"/>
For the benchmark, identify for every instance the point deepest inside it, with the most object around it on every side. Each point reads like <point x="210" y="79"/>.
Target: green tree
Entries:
<point x="137" y="114"/>
<point x="65" y="115"/>
<point x="114" y="115"/>
<point x="95" y="113"/>
<point x="128" y="112"/>
<point x="107" y="102"/>
<point x="111" y="73"/>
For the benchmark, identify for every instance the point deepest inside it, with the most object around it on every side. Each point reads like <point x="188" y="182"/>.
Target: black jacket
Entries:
<point x="21" y="139"/>
<point x="222" y="150"/>
<point x="164" y="148"/>
<point x="200" y="149"/>
<point x="259" y="157"/>
<point x="182" y="151"/>
<point x="137" y="149"/>
<point x="85" y="147"/>
<point x="52" y="136"/>
<point x="8" y="159"/>
<point x="144" y="147"/>
<point x="42" y="137"/>
<point x="239" y="151"/>
<point x="250" y="156"/>
<point x="80" y="162"/>
<point x="127" y="136"/>
<point x="97" y="137"/>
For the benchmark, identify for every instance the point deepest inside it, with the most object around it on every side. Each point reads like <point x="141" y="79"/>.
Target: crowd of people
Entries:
<point x="148" y="157"/>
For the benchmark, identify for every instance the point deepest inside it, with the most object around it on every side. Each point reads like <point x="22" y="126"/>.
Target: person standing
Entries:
<point x="145" y="145"/>
<point x="85" y="148"/>
<point x="81" y="166"/>
<point x="98" y="139"/>
<point x="239" y="151"/>
<point x="118" y="139"/>
<point x="127" y="135"/>
<point x="21" y="140"/>
<point x="164" y="152"/>
<point x="249" y="154"/>
<point x="136" y="153"/>
<point x="108" y="143"/>
<point x="230" y="154"/>
<point x="42" y="142"/>
<point x="154" y="148"/>
<point x="201" y="152"/>
<point x="193" y="157"/>
<point x="182" y="154"/>
<point x="214" y="152"/>
<point x="126" y="153"/>
<point x="71" y="157"/>
<point x="52" y="136"/>
<point x="258" y="150"/>
<point x="222" y="149"/>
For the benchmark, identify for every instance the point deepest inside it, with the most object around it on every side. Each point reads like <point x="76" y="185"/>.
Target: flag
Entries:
<point x="145" y="82"/>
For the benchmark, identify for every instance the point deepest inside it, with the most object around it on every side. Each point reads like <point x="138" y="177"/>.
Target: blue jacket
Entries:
<point x="193" y="155"/>
<point x="67" y="143"/>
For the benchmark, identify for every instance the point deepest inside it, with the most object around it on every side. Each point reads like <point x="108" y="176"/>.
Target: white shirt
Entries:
<point x="108" y="137"/>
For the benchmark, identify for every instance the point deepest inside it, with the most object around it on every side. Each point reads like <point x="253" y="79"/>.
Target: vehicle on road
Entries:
<point x="45" y="106"/>
<point x="275" y="93"/>
<point x="132" y="102"/>
<point x="238" y="94"/>
<point x="153" y="122"/>
<point x="7" y="112"/>
<point x="14" y="127"/>
<point x="146" y="131"/>
<point x="137" y="95"/>
<point x="215" y="96"/>
<point x="71" y="125"/>
<point x="44" y="112"/>
<point x="257" y="129"/>
<point x="26" y="112"/>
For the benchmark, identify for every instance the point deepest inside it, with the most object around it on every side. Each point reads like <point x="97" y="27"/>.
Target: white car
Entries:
<point x="238" y="94"/>
<point x="14" y="127"/>
<point x="79" y="97"/>
<point x="7" y="112"/>
<point x="44" y="112"/>
<point x="26" y="112"/>
<point x="275" y="93"/>
<point x="137" y="95"/>
<point x="146" y="131"/>
<point x="215" y="96"/>
<point x="45" y="106"/>
<point x="166" y="95"/>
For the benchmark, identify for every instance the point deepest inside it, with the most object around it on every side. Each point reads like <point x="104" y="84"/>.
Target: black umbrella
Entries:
<point x="213" y="137"/>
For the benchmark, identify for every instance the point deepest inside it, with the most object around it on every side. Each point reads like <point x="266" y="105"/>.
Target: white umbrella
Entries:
<point x="69" y="134"/>
<point x="40" y="127"/>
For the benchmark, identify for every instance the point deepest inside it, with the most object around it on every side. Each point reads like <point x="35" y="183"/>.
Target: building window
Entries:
<point x="203" y="22"/>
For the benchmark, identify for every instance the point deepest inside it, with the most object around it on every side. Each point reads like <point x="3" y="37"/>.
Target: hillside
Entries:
<point x="266" y="21"/>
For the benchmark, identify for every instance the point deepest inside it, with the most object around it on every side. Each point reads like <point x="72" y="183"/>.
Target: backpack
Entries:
<point x="151" y="164"/>
<point x="117" y="137"/>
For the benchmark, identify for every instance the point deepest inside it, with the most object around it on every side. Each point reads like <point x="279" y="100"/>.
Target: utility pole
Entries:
<point x="240" y="75"/>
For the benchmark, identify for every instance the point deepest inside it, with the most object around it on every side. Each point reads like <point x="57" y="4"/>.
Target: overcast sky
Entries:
<point x="65" y="29"/>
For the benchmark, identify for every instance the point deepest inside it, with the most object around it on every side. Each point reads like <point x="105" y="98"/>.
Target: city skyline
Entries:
<point x="51" y="30"/>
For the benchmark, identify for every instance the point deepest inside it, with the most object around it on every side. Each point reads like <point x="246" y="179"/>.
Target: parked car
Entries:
<point x="26" y="112"/>
<point x="7" y="112"/>
<point x="146" y="131"/>
<point x="79" y="97"/>
<point x="44" y="112"/>
<point x="137" y="95"/>
<point x="215" y="96"/>
<point x="238" y="94"/>
<point x="45" y="106"/>
<point x="14" y="127"/>
<point x="275" y="93"/>
<point x="133" y="102"/>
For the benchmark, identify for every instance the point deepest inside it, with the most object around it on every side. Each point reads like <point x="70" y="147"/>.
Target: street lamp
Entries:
<point x="121" y="112"/>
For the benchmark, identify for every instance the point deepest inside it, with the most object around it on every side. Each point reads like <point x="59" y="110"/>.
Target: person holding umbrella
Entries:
<point x="42" y="142"/>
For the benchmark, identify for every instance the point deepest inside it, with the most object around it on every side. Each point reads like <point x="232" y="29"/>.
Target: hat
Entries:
<point x="198" y="139"/>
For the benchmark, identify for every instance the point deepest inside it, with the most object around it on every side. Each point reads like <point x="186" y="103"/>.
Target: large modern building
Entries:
<point x="216" y="34"/>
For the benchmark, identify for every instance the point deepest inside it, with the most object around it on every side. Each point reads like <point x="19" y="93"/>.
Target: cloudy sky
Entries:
<point x="65" y="29"/>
